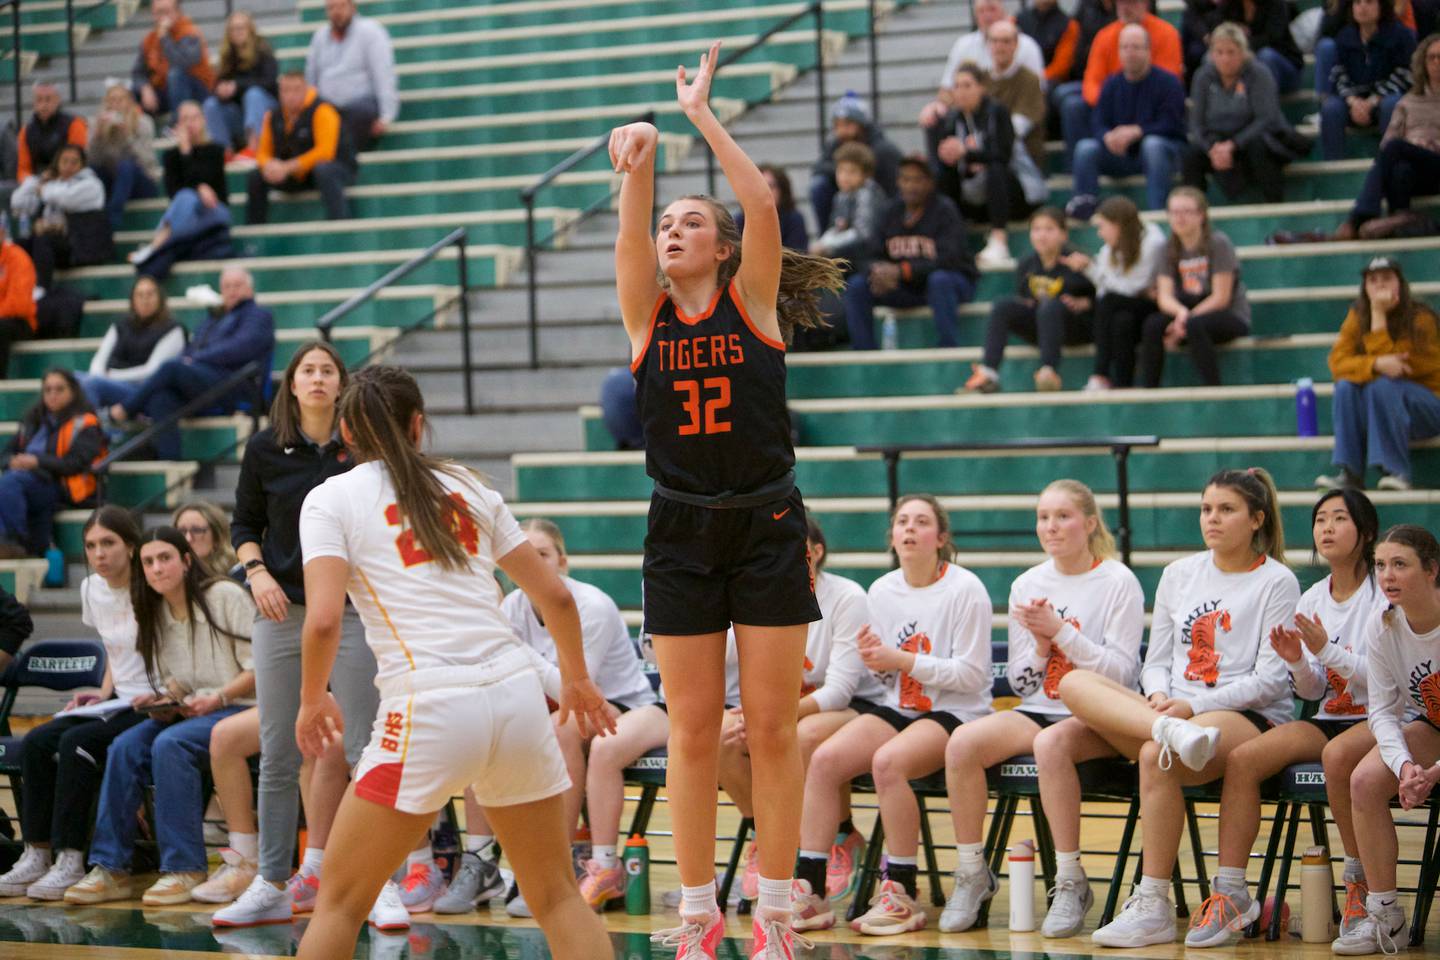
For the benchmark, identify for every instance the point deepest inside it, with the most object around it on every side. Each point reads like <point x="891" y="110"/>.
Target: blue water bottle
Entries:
<point x="1306" y="418"/>
<point x="55" y="572"/>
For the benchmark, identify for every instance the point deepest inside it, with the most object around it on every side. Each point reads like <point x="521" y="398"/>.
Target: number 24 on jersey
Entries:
<point x="461" y="523"/>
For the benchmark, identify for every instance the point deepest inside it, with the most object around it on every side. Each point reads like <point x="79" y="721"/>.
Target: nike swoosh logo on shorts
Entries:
<point x="782" y="513"/>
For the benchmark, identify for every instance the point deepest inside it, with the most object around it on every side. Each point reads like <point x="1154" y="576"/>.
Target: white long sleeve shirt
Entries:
<point x="1139" y="277"/>
<point x="1103" y="614"/>
<point x="1209" y="637"/>
<point x="947" y="626"/>
<point x="610" y="656"/>
<point x="1337" y="675"/>
<point x="834" y="672"/>
<point x="1404" y="678"/>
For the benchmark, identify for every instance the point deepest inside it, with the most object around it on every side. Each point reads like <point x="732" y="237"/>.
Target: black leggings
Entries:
<point x="64" y="762"/>
<point x="1203" y="333"/>
<point x="1004" y="197"/>
<point x="1117" y="331"/>
<point x="1051" y="325"/>
<point x="1255" y="165"/>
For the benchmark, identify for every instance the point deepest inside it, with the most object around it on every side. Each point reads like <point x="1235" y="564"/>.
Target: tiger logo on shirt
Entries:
<point x="912" y="691"/>
<point x="1057" y="664"/>
<point x="1204" y="665"/>
<point x="1425" y="690"/>
<point x="1343" y="703"/>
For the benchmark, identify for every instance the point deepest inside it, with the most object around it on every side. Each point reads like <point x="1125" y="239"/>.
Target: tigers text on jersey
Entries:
<point x="1210" y="636"/>
<point x="613" y="662"/>
<point x="947" y="626"/>
<point x="1103" y="615"/>
<point x="834" y="672"/>
<point x="1404" y="679"/>
<point x="1336" y="677"/>
<point x="429" y="627"/>
<point x="711" y="393"/>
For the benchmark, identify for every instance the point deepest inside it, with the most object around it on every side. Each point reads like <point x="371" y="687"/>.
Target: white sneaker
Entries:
<point x="1382" y="931"/>
<point x="260" y="903"/>
<point x="1393" y="481"/>
<point x="1096" y="384"/>
<point x="517" y="907"/>
<point x="389" y="913"/>
<point x="228" y="882"/>
<point x="68" y="870"/>
<point x="995" y="255"/>
<point x="1070" y="902"/>
<point x="1192" y="743"/>
<point x="33" y="864"/>
<point x="140" y="254"/>
<point x="1142" y="921"/>
<point x="963" y="907"/>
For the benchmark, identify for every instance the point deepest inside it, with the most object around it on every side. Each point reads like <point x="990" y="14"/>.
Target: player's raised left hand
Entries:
<point x="594" y="715"/>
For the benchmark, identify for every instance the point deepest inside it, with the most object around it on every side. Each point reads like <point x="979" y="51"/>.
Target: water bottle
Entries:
<point x="889" y="333"/>
<point x="1022" y="886"/>
<point x="446" y="848"/>
<point x="1306" y="418"/>
<point x="55" y="572"/>
<point x="1317" y="884"/>
<point x="637" y="876"/>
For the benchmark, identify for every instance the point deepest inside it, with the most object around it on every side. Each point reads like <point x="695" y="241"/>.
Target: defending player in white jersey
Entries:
<point x="414" y="541"/>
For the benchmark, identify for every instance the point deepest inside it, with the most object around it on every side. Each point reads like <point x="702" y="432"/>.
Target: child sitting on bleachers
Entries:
<point x="853" y="232"/>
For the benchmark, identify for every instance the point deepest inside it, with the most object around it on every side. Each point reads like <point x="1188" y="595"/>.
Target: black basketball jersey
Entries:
<point x="711" y="393"/>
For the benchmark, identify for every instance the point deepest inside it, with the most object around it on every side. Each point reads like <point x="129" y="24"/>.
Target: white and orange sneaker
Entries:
<point x="304" y="890"/>
<point x="892" y="911"/>
<point x="750" y="880"/>
<point x="808" y="910"/>
<point x="774" y="937"/>
<point x="600" y="884"/>
<point x="693" y="939"/>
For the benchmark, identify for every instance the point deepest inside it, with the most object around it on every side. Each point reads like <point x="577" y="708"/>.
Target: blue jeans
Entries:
<point x="125" y="183"/>
<point x="103" y="392"/>
<point x="620" y="411"/>
<point x="943" y="291"/>
<point x="1376" y="421"/>
<point x="233" y="122"/>
<point x="1335" y="117"/>
<point x="1281" y="67"/>
<point x="1157" y="158"/>
<point x="172" y="756"/>
<point x="187" y="216"/>
<point x="168" y="389"/>
<point x="1325" y="58"/>
<point x="28" y="501"/>
<point x="1075" y="122"/>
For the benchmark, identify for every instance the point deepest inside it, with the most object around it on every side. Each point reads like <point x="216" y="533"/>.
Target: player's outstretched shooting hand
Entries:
<point x="694" y="96"/>
<point x="632" y="146"/>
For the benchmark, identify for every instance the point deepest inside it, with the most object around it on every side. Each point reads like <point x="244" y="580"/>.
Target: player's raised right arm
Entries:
<point x="632" y="153"/>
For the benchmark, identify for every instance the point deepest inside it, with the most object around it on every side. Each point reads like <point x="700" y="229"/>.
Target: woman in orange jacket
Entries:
<point x="1386" y="366"/>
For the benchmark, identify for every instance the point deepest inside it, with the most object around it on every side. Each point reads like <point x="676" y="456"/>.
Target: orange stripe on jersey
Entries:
<point x="386" y="614"/>
<point x="381" y="783"/>
<point x="649" y="333"/>
<point x="745" y="315"/>
<point x="691" y="321"/>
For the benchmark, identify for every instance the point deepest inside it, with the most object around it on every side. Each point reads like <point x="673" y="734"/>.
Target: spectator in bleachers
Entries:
<point x="207" y="529"/>
<point x="245" y="88"/>
<point x="193" y="634"/>
<point x="1210" y="682"/>
<point x="850" y="122"/>
<point x="49" y="129"/>
<point x="1104" y="60"/>
<point x="1409" y="161"/>
<point x="971" y="148"/>
<point x="63" y="759"/>
<point x="67" y="209"/>
<point x="1325" y="651"/>
<point x="173" y="64"/>
<point x="1124" y="273"/>
<point x="1386" y="367"/>
<point x="853" y="233"/>
<point x="1199" y="293"/>
<point x="1371" y="73"/>
<point x="47" y="465"/>
<point x="1405" y="718"/>
<point x="1235" y="121"/>
<point x="304" y="146"/>
<point x="793" y="233"/>
<point x="1421" y="16"/>
<point x="1267" y="29"/>
<point x="243" y="333"/>
<point x="122" y="151"/>
<point x="923" y="259"/>
<point x="17" y="297"/>
<point x="1052" y="307"/>
<point x="1091" y="16"/>
<point x="1139" y="127"/>
<point x="1058" y="35"/>
<point x="134" y="347"/>
<point x="199" y="213"/>
<point x="973" y="47"/>
<point x="352" y="63"/>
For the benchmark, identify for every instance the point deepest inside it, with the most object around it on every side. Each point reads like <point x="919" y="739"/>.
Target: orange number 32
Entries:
<point x="703" y="410"/>
<point x="411" y="554"/>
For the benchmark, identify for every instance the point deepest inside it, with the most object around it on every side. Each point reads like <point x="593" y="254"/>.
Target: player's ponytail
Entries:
<point x="802" y="276"/>
<point x="1258" y="491"/>
<point x="377" y="409"/>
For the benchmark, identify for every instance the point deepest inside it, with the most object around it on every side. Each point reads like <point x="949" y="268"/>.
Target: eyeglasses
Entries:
<point x="193" y="531"/>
